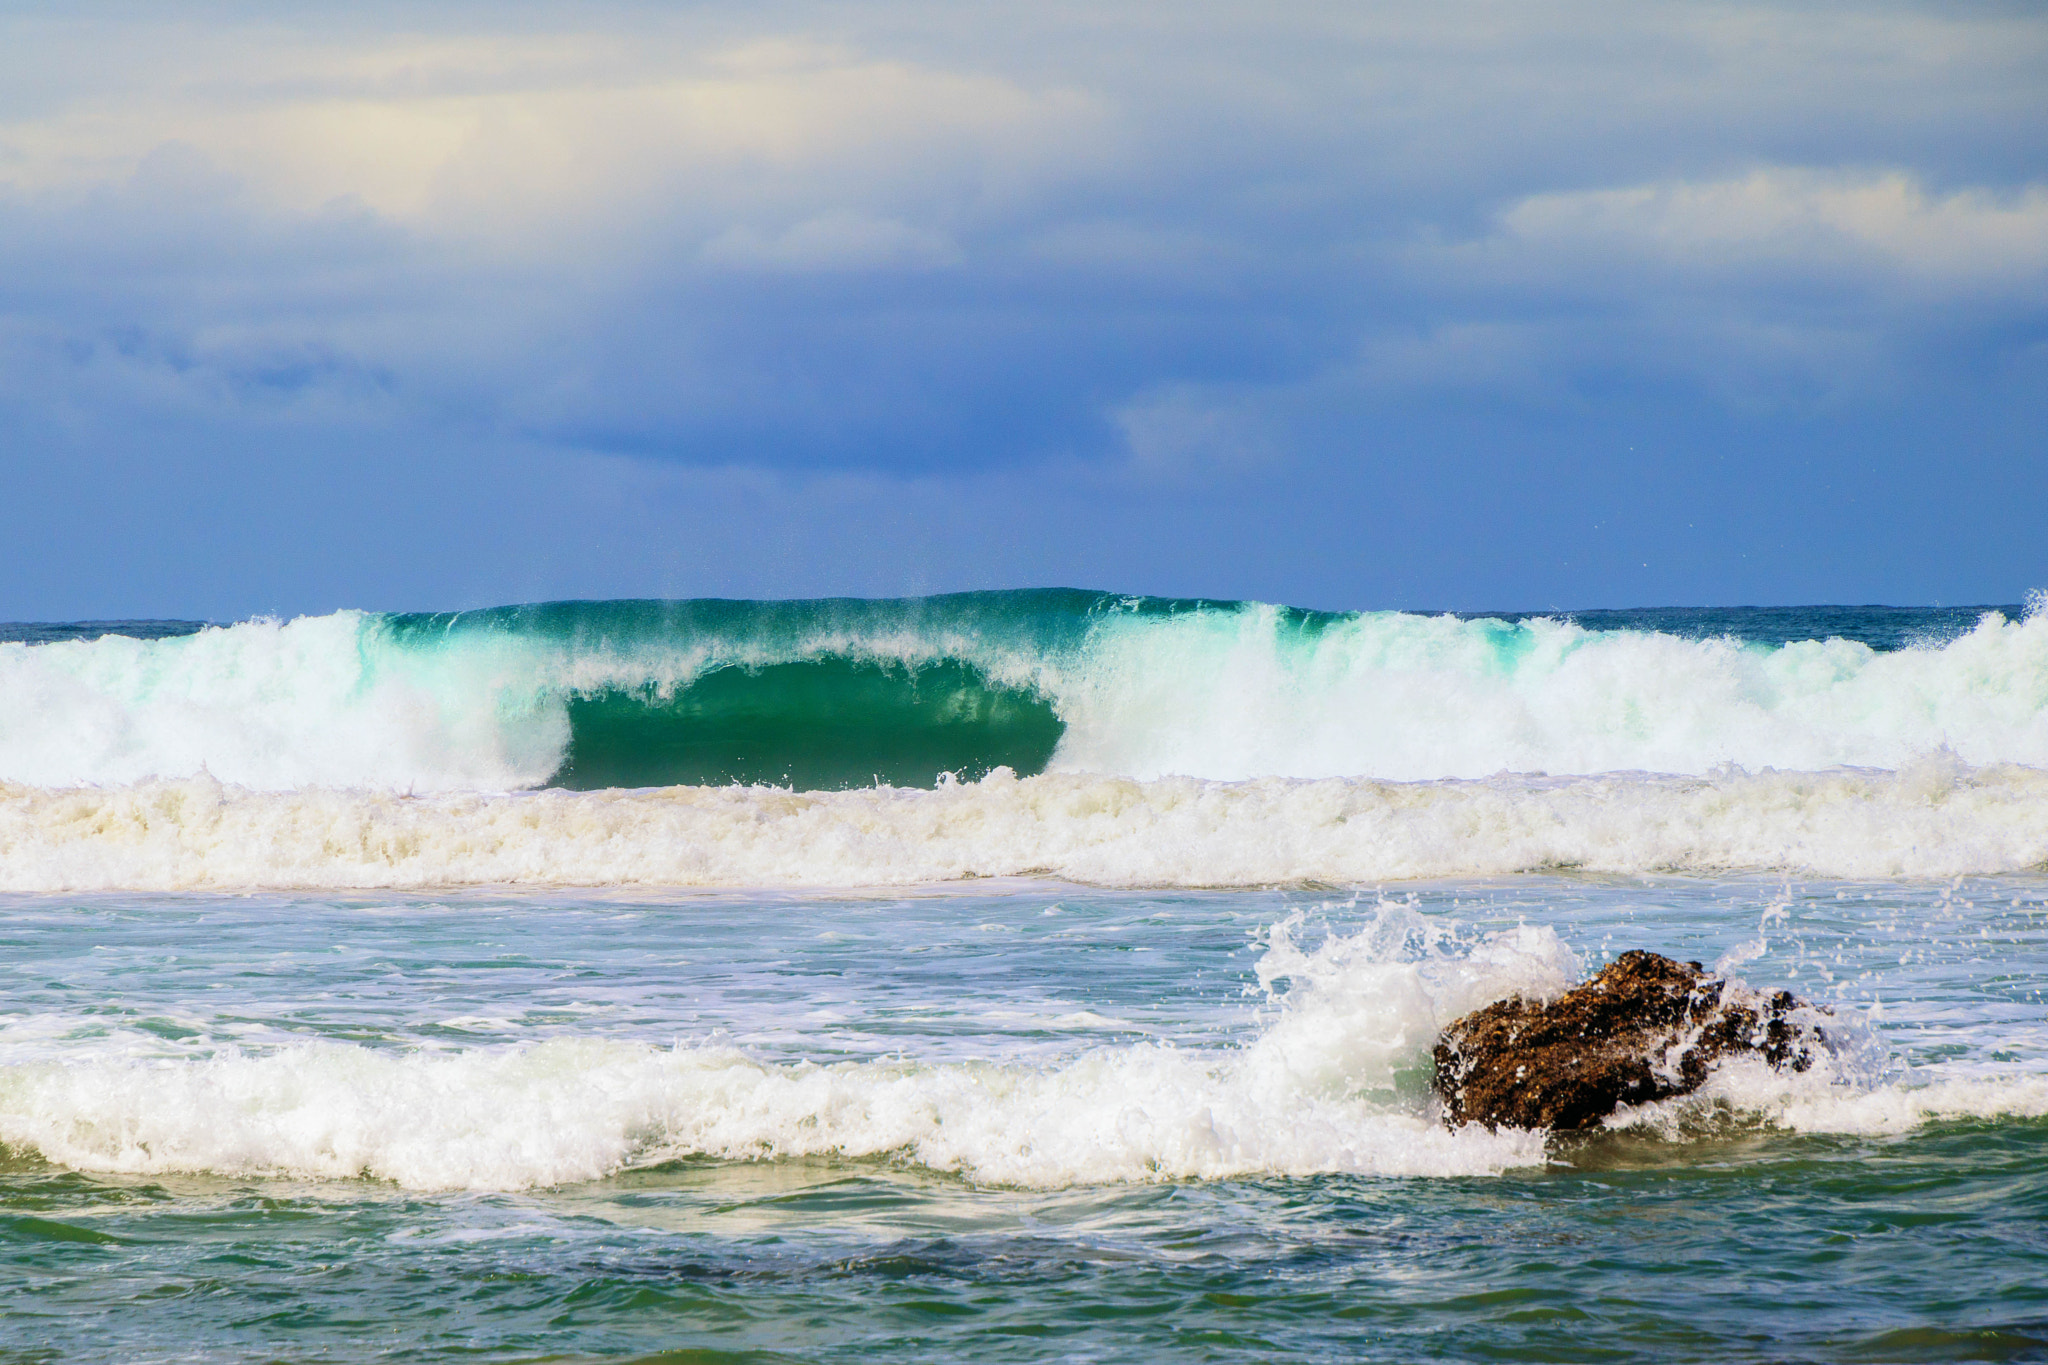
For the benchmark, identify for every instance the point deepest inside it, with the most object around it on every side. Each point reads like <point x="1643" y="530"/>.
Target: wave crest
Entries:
<point x="842" y="694"/>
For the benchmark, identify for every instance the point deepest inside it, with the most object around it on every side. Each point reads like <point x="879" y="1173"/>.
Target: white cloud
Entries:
<point x="1823" y="218"/>
<point x="500" y="138"/>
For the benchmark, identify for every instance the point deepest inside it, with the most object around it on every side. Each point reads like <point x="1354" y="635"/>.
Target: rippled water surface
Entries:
<point x="604" y="1125"/>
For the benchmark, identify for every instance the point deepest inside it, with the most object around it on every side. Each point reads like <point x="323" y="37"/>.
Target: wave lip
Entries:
<point x="1935" y="818"/>
<point x="838" y="694"/>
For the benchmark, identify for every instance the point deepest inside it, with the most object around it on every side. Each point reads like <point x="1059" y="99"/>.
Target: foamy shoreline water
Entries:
<point x="1935" y="818"/>
<point x="1321" y="1079"/>
<point x="556" y="1098"/>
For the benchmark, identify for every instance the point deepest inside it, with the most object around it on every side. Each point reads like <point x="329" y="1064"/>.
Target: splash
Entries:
<point x="1311" y="1093"/>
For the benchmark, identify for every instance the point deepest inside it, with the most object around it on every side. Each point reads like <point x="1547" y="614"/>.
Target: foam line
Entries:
<point x="1934" y="818"/>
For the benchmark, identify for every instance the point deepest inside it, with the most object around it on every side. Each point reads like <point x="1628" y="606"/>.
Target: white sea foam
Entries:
<point x="319" y="700"/>
<point x="569" y="1110"/>
<point x="1748" y="1092"/>
<point x="1331" y="1081"/>
<point x="1317" y="1090"/>
<point x="1228" y="693"/>
<point x="1936" y="818"/>
<point x="1390" y="695"/>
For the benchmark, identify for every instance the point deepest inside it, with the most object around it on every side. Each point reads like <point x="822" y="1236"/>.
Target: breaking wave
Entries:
<point x="1332" y="1079"/>
<point x="840" y="694"/>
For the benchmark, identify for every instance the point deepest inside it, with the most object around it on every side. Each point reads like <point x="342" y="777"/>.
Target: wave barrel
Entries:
<point x="819" y="724"/>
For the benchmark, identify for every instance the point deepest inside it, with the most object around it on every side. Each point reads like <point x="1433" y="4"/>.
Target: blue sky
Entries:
<point x="1347" y="305"/>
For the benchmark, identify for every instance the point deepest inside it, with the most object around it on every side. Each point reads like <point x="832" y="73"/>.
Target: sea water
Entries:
<point x="340" y="1021"/>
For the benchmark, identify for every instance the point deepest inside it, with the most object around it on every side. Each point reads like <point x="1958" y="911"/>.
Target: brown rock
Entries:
<point x="1646" y="1028"/>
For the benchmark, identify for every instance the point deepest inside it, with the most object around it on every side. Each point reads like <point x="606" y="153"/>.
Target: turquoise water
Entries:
<point x="368" y="993"/>
<point x="842" y="694"/>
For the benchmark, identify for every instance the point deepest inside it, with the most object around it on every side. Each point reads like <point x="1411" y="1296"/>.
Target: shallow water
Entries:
<point x="990" y="1121"/>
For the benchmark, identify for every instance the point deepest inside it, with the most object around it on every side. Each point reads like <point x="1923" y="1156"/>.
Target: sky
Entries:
<point x="1424" y="303"/>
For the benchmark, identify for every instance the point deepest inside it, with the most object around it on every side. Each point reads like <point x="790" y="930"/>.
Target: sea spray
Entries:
<point x="839" y="694"/>
<point x="1307" y="1094"/>
<point x="1327" y="1077"/>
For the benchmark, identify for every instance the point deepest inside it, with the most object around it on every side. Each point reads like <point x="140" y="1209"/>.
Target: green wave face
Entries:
<point x="824" y="724"/>
<point x="817" y="695"/>
<point x="842" y="693"/>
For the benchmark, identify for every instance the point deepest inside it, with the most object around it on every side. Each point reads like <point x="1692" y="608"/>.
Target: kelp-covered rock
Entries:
<point x="1646" y="1028"/>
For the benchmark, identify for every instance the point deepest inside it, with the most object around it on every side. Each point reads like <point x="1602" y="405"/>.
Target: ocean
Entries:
<point x="1025" y="976"/>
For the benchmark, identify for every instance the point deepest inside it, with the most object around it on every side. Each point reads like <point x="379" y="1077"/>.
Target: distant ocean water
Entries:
<point x="1006" y="976"/>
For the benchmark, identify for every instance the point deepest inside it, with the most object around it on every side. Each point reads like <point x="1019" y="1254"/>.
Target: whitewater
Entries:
<point x="1007" y="976"/>
<point x="1934" y="818"/>
<point x="1140" y="688"/>
<point x="1114" y="741"/>
<point x="1321" y="1076"/>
